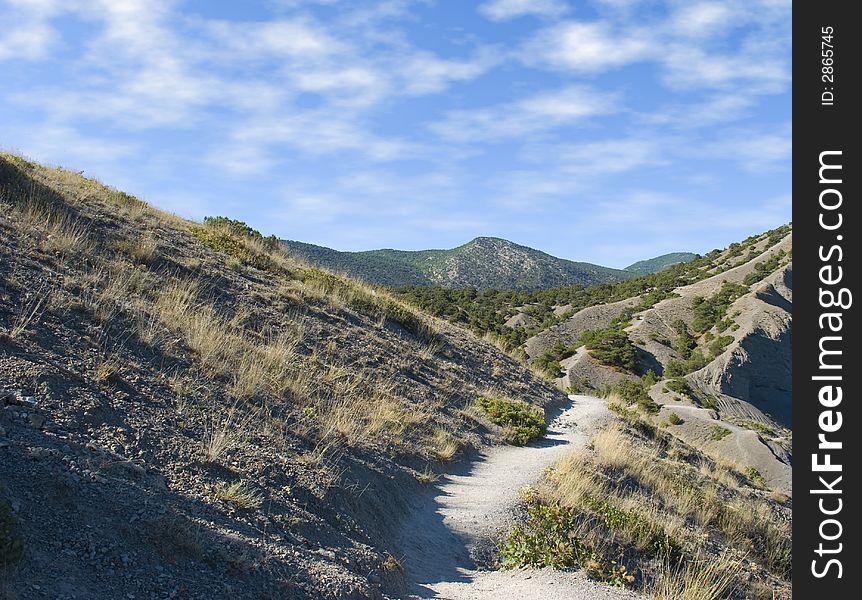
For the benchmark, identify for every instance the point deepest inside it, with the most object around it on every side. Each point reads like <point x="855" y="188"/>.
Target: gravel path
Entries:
<point x="456" y="525"/>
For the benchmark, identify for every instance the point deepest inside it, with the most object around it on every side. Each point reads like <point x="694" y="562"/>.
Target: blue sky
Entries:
<point x="607" y="131"/>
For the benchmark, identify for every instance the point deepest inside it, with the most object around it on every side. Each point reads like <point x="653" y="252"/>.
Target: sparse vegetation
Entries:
<point x="524" y="423"/>
<point x="674" y="419"/>
<point x="718" y="433"/>
<point x="630" y="392"/>
<point x="709" y="311"/>
<point x="642" y="497"/>
<point x="239" y="495"/>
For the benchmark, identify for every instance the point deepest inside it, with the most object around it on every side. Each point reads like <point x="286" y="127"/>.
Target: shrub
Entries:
<point x="610" y="346"/>
<point x="679" y="385"/>
<point x="753" y="474"/>
<point x="547" y="539"/>
<point x="709" y="311"/>
<point x="525" y="423"/>
<point x="718" y="433"/>
<point x="719" y="345"/>
<point x="549" y="361"/>
<point x="227" y="241"/>
<point x="674" y="419"/>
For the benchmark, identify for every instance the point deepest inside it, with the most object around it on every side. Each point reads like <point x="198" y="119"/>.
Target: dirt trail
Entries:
<point x="454" y="529"/>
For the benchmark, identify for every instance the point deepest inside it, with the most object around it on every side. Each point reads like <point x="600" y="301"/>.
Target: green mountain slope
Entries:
<point x="660" y="263"/>
<point x="483" y="263"/>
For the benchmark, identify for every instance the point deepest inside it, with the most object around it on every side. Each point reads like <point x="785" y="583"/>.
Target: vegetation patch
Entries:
<point x="678" y="385"/>
<point x="549" y="361"/>
<point x="547" y="539"/>
<point x="238" y="240"/>
<point x="631" y="392"/>
<point x="611" y="346"/>
<point x="718" y="433"/>
<point x="238" y="495"/>
<point x="525" y="423"/>
<point x="665" y="511"/>
<point x="709" y="311"/>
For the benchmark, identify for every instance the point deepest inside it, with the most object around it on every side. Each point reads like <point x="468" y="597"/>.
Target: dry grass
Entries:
<point x="443" y="446"/>
<point x="636" y="481"/>
<point x="142" y="250"/>
<point x="697" y="579"/>
<point x="226" y="433"/>
<point x="238" y="495"/>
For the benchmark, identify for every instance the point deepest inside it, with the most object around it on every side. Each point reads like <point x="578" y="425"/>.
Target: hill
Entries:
<point x="187" y="412"/>
<point x="483" y="263"/>
<point x="659" y="263"/>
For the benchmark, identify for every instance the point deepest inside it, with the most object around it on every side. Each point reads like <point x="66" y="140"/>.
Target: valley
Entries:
<point x="196" y="410"/>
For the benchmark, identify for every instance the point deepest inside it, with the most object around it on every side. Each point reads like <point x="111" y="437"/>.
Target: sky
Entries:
<point x="606" y="131"/>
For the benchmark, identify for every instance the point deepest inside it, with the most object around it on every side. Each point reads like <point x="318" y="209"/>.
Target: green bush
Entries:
<point x="228" y="242"/>
<point x="709" y="311"/>
<point x="718" y="433"/>
<point x="679" y="385"/>
<point x="549" y="360"/>
<point x="753" y="474"/>
<point x="650" y="540"/>
<point x="547" y="539"/>
<point x="610" y="346"/>
<point x="674" y="419"/>
<point x="720" y="344"/>
<point x="526" y="423"/>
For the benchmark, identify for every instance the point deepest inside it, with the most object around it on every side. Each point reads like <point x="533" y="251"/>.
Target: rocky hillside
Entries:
<point x="659" y="263"/>
<point x="186" y="412"/>
<point x="483" y="263"/>
<point x="711" y="360"/>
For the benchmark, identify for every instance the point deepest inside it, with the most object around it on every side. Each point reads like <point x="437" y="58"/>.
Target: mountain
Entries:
<point x="187" y="412"/>
<point x="720" y="334"/>
<point x="659" y="263"/>
<point x="483" y="263"/>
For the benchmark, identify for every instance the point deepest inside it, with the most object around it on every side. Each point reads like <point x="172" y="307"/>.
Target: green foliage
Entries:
<point x="762" y="269"/>
<point x="11" y="544"/>
<point x="233" y="238"/>
<point x="241" y="229"/>
<point x="649" y="539"/>
<point x="709" y="311"/>
<point x="549" y="360"/>
<point x="718" y="433"/>
<point x="548" y="539"/>
<point x="633" y="420"/>
<point x="753" y="474"/>
<point x="679" y="385"/>
<point x="525" y="422"/>
<point x="650" y="379"/>
<point x="685" y="342"/>
<point x="611" y="346"/>
<point x="674" y="419"/>
<point x="719" y="345"/>
<point x="632" y="392"/>
<point x="756" y="426"/>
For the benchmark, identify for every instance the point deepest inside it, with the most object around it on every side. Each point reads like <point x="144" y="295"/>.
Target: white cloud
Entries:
<point x="754" y="149"/>
<point x="501" y="10"/>
<point x="589" y="47"/>
<point x="537" y="113"/>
